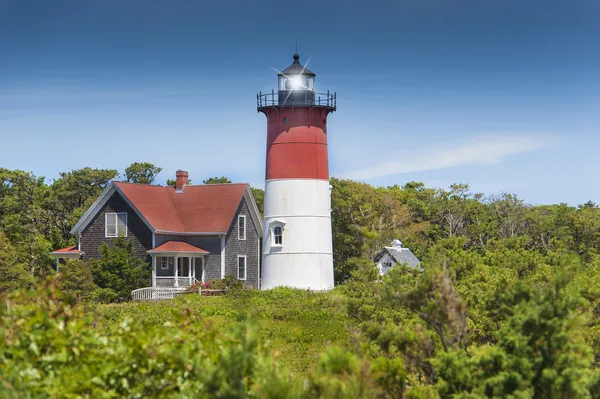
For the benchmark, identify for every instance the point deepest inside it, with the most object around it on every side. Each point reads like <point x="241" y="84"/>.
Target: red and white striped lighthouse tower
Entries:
<point x="297" y="248"/>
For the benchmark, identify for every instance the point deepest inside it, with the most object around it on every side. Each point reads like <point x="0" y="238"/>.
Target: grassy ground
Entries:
<point x="298" y="324"/>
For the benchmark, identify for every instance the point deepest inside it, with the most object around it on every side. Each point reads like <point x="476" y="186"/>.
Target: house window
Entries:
<point x="116" y="224"/>
<point x="277" y="236"/>
<point x="164" y="263"/>
<point x="242" y="227"/>
<point x="241" y="267"/>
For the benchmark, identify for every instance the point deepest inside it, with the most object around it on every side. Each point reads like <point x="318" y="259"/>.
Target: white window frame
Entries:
<point x="117" y="226"/>
<point x="240" y="217"/>
<point x="165" y="260"/>
<point x="245" y="267"/>
<point x="273" y="235"/>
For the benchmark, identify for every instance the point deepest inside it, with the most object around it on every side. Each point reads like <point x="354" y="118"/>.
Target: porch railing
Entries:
<point x="156" y="293"/>
<point x="169" y="281"/>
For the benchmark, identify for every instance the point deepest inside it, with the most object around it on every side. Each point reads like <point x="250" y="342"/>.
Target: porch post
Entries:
<point x="57" y="263"/>
<point x="190" y="269"/>
<point x="194" y="268"/>
<point x="176" y="271"/>
<point x="153" y="271"/>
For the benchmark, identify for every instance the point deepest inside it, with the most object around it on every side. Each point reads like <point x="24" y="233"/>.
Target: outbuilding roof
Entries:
<point x="399" y="254"/>
<point x="403" y="255"/>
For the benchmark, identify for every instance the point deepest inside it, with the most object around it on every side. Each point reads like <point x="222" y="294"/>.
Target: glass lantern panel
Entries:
<point x="296" y="82"/>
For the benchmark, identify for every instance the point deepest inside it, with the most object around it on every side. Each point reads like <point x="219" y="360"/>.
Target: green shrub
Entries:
<point x="119" y="270"/>
<point x="54" y="347"/>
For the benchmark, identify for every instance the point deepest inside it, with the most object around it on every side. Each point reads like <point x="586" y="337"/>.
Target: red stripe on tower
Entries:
<point x="297" y="144"/>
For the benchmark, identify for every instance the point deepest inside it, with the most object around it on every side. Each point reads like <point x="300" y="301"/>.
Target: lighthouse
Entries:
<point x="297" y="246"/>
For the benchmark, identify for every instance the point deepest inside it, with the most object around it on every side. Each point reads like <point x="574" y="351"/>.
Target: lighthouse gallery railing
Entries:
<point x="273" y="100"/>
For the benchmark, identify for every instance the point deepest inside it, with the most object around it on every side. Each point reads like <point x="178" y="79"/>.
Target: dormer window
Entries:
<point x="276" y="228"/>
<point x="116" y="224"/>
<point x="277" y="236"/>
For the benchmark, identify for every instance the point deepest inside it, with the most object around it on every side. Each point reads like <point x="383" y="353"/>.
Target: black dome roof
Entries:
<point x="296" y="68"/>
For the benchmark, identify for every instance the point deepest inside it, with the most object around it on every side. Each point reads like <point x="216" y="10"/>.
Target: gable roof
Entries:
<point x="399" y="255"/>
<point x="203" y="209"/>
<point x="403" y="255"/>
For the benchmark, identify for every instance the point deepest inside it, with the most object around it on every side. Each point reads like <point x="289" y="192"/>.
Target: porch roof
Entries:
<point x="73" y="250"/>
<point x="177" y="247"/>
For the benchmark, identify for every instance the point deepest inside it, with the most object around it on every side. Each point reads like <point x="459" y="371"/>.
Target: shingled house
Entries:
<point x="188" y="233"/>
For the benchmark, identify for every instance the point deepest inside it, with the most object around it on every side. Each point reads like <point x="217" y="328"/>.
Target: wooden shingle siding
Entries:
<point x="137" y="231"/>
<point x="248" y="247"/>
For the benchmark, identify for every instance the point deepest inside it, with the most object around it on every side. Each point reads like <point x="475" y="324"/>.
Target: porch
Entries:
<point x="177" y="264"/>
<point x="65" y="254"/>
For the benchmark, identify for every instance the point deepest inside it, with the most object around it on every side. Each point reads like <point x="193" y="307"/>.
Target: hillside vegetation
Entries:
<point x="298" y="323"/>
<point x="510" y="323"/>
<point x="506" y="305"/>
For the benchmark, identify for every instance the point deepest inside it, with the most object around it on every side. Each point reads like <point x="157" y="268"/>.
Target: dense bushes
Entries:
<point x="53" y="348"/>
<point x="410" y="334"/>
<point x="219" y="286"/>
<point x="299" y="324"/>
<point x="120" y="270"/>
<point x="13" y="274"/>
<point x="513" y="322"/>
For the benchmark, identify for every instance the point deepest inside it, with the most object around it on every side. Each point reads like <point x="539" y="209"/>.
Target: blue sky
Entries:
<point x="503" y="95"/>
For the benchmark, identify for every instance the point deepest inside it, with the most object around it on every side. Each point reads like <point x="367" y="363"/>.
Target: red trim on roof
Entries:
<point x="177" y="246"/>
<point x="208" y="208"/>
<point x="68" y="250"/>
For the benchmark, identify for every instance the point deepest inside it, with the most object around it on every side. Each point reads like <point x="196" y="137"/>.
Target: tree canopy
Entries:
<point x="142" y="172"/>
<point x="217" y="180"/>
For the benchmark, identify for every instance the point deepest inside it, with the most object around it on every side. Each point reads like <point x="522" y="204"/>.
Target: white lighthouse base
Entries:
<point x="306" y="271"/>
<point x="304" y="258"/>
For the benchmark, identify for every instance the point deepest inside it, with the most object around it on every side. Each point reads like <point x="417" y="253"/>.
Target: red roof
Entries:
<point x="178" y="246"/>
<point x="208" y="208"/>
<point x="68" y="250"/>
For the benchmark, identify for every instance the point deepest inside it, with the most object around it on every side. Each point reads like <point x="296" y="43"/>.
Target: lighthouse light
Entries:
<point x="297" y="82"/>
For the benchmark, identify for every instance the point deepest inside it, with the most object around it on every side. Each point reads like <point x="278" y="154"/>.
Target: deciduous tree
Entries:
<point x="142" y="172"/>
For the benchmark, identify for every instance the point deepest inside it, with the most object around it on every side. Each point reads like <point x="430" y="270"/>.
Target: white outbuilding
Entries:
<point x="389" y="256"/>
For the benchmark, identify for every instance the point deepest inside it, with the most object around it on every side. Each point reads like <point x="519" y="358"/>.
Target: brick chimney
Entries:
<point x="181" y="180"/>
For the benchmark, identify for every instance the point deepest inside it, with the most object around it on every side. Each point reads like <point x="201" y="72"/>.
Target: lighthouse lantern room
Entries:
<point x="297" y="247"/>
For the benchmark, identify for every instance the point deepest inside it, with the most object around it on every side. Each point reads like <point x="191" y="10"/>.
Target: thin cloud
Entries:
<point x="480" y="150"/>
